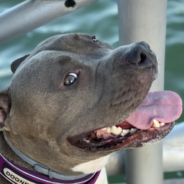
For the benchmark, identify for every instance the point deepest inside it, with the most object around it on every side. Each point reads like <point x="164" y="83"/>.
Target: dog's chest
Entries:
<point x="91" y="166"/>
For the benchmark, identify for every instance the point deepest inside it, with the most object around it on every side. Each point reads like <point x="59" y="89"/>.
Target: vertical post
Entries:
<point x="142" y="20"/>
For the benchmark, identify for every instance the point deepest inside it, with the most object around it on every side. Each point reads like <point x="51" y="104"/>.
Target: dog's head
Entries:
<point x="68" y="93"/>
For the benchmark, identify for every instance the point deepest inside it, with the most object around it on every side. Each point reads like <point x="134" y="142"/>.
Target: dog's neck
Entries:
<point x="41" y="168"/>
<point x="17" y="174"/>
<point x="23" y="161"/>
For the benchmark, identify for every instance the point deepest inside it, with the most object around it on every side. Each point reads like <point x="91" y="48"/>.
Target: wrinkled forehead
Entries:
<point x="74" y="43"/>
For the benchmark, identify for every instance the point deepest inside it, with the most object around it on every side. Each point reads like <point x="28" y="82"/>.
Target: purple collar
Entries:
<point x="18" y="175"/>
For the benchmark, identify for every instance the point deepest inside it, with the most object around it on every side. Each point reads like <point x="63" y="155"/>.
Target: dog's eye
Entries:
<point x="70" y="79"/>
<point x="94" y="39"/>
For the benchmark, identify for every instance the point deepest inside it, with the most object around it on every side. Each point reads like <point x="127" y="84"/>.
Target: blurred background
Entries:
<point x="101" y="19"/>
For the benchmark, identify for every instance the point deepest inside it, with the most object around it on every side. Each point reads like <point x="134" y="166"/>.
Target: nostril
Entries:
<point x="139" y="54"/>
<point x="138" y="58"/>
<point x="142" y="57"/>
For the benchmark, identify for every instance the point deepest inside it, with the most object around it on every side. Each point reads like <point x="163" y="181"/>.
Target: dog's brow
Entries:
<point x="64" y="59"/>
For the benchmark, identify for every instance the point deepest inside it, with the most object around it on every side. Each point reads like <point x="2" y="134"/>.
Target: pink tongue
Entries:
<point x="164" y="106"/>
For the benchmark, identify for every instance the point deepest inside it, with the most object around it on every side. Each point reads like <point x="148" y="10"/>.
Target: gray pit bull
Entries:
<point x="73" y="101"/>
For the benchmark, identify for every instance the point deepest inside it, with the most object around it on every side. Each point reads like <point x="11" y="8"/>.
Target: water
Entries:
<point x="101" y="20"/>
<point x="174" y="69"/>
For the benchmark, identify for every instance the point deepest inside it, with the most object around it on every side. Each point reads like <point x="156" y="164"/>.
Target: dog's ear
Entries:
<point x="5" y="105"/>
<point x="17" y="62"/>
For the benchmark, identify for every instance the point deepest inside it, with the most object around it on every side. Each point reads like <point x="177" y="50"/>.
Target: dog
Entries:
<point x="72" y="102"/>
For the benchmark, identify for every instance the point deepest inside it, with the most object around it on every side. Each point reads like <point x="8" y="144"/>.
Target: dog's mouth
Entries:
<point x="150" y="123"/>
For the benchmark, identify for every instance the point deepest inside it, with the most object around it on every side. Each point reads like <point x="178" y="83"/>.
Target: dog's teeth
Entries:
<point x="108" y="130"/>
<point x="124" y="132"/>
<point x="119" y="130"/>
<point x="162" y="124"/>
<point x="114" y="130"/>
<point x="132" y="130"/>
<point x="156" y="124"/>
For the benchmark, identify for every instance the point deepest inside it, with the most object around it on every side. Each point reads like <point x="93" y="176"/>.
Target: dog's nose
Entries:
<point x="139" y="53"/>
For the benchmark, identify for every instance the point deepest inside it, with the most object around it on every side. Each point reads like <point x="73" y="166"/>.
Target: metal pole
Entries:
<point x="173" y="152"/>
<point x="142" y="20"/>
<point x="32" y="14"/>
